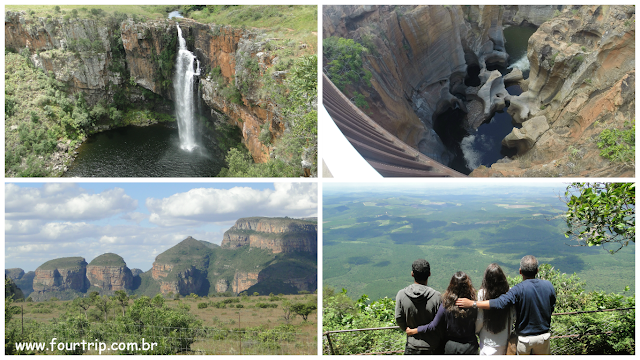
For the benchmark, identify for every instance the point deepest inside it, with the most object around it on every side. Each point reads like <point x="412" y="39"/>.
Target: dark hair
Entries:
<point x="494" y="284"/>
<point x="460" y="286"/>
<point x="421" y="270"/>
<point x="529" y="266"/>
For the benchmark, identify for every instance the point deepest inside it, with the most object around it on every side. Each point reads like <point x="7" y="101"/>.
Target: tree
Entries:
<point x="601" y="214"/>
<point x="122" y="299"/>
<point x="103" y="303"/>
<point x="83" y="303"/>
<point x="303" y="309"/>
<point x="287" y="308"/>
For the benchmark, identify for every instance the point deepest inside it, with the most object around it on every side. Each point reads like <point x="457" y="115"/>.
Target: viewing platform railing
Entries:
<point x="566" y="338"/>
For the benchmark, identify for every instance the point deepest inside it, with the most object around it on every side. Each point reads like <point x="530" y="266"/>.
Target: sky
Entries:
<point x="137" y="221"/>
<point x="448" y="186"/>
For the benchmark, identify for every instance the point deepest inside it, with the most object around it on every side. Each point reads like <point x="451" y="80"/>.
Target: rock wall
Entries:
<point x="48" y="40"/>
<point x="110" y="278"/>
<point x="421" y="65"/>
<point x="90" y="68"/>
<point x="61" y="278"/>
<point x="582" y="80"/>
<point x="276" y="234"/>
<point x="244" y="280"/>
<point x="14" y="273"/>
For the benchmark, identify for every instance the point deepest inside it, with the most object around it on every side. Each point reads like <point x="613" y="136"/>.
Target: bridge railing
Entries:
<point x="570" y="336"/>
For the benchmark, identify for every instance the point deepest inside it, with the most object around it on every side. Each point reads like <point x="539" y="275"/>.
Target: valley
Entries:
<point x="372" y="235"/>
<point x="77" y="76"/>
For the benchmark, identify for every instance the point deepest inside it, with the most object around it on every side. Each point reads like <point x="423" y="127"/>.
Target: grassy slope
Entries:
<point x="63" y="263"/>
<point x="108" y="259"/>
<point x="373" y="256"/>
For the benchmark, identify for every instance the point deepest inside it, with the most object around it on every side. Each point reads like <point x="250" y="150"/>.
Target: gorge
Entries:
<point x="77" y="73"/>
<point x="264" y="255"/>
<point x="438" y="73"/>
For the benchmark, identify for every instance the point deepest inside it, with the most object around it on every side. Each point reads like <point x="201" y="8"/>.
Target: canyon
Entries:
<point x="124" y="59"/>
<point x="437" y="70"/>
<point x="281" y="258"/>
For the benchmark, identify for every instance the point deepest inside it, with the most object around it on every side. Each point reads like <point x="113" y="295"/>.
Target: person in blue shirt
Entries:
<point x="534" y="300"/>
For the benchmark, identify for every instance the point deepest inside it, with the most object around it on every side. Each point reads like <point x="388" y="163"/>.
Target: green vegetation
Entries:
<point x="370" y="240"/>
<point x="108" y="259"/>
<point x="600" y="214"/>
<point x="177" y="326"/>
<point x="345" y="67"/>
<point x="619" y="145"/>
<point x="340" y="313"/>
<point x="70" y="263"/>
<point x="291" y="21"/>
<point x="295" y="104"/>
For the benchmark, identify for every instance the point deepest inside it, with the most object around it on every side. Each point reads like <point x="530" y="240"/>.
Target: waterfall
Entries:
<point x="522" y="63"/>
<point x="183" y="84"/>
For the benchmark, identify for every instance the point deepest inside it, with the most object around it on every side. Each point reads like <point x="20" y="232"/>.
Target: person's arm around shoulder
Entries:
<point x="400" y="317"/>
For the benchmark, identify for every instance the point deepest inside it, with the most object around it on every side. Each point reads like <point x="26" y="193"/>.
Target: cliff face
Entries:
<point x="423" y="54"/>
<point x="582" y="81"/>
<point x="275" y="234"/>
<point x="60" y="275"/>
<point x="14" y="273"/>
<point x="109" y="272"/>
<point x="421" y="57"/>
<point x="83" y="53"/>
<point x="244" y="280"/>
<point x="88" y="70"/>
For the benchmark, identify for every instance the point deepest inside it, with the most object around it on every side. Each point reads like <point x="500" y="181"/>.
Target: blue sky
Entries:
<point x="137" y="221"/>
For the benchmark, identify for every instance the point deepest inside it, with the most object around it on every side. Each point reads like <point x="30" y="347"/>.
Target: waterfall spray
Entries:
<point x="183" y="87"/>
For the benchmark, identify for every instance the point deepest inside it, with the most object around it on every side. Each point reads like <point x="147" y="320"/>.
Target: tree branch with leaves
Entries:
<point x="601" y="214"/>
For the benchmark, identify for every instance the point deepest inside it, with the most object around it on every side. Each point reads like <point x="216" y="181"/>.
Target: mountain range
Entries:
<point x="257" y="254"/>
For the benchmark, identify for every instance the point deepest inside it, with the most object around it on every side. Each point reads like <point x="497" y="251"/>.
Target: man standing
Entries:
<point x="417" y="304"/>
<point x="534" y="301"/>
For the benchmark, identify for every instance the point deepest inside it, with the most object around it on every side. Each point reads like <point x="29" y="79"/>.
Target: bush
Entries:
<point x="618" y="145"/>
<point x="202" y="305"/>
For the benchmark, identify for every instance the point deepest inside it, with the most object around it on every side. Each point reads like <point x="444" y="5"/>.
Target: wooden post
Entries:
<point x="330" y="344"/>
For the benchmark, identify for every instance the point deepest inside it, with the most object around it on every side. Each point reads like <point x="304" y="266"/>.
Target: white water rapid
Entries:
<point x="183" y="87"/>
<point x="522" y="63"/>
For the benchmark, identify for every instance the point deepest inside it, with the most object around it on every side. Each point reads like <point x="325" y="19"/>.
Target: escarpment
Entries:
<point x="276" y="234"/>
<point x="100" y="57"/>
<point x="440" y="72"/>
<point x="282" y="258"/>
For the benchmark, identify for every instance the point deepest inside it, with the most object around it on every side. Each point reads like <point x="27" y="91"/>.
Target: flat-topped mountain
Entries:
<point x="276" y="234"/>
<point x="266" y="255"/>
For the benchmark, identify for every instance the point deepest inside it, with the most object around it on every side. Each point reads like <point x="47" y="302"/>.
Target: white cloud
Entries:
<point x="216" y="205"/>
<point x="136" y="217"/>
<point x="64" y="202"/>
<point x="22" y="227"/>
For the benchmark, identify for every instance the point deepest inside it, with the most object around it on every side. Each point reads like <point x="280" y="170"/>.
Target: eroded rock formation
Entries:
<point x="109" y="272"/>
<point x="582" y="80"/>
<point x="422" y="59"/>
<point x="60" y="275"/>
<point x="276" y="234"/>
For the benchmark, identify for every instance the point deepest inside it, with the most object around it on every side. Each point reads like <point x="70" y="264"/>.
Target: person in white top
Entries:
<point x="494" y="326"/>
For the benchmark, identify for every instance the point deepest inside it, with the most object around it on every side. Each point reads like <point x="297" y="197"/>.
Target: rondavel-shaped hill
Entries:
<point x="264" y="255"/>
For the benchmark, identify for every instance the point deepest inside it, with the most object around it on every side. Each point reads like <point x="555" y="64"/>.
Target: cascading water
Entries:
<point x="183" y="85"/>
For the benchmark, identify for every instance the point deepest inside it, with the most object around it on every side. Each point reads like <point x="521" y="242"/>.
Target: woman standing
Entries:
<point x="493" y="326"/>
<point x="460" y="334"/>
